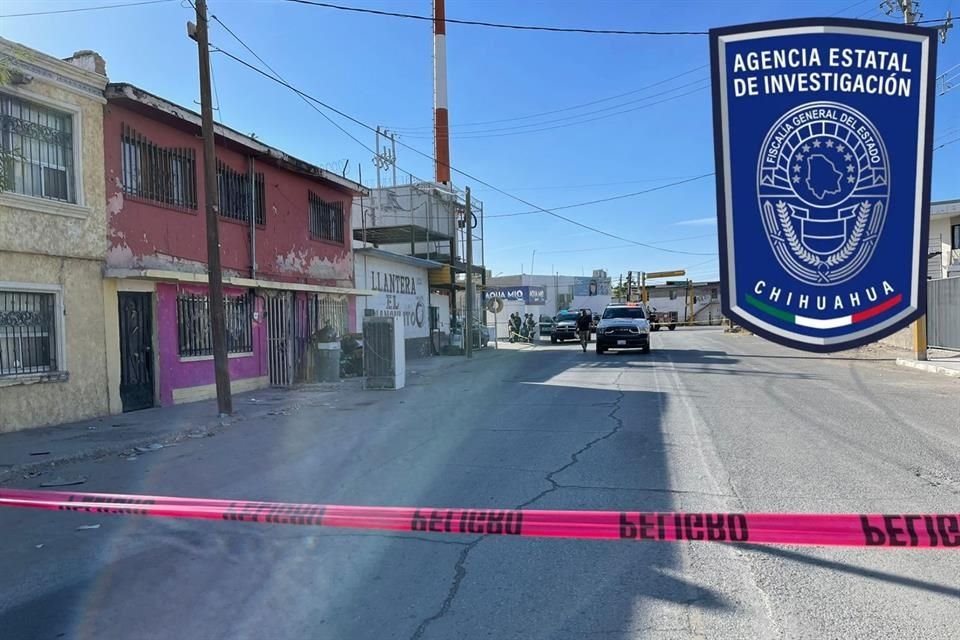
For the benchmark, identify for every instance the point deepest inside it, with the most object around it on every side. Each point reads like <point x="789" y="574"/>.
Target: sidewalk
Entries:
<point x="945" y="363"/>
<point x="32" y="452"/>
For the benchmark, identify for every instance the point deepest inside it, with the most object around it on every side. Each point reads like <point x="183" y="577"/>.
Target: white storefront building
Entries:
<point x="402" y="289"/>
<point x="558" y="293"/>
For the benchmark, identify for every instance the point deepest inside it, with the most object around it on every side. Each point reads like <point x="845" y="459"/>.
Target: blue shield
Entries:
<point x="822" y="132"/>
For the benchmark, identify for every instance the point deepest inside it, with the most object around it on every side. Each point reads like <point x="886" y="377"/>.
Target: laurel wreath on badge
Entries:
<point x="807" y="256"/>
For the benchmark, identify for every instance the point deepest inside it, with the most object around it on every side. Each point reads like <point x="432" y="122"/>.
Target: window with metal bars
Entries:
<point x="234" y="190"/>
<point x="326" y="219"/>
<point x="36" y="149"/>
<point x="28" y="332"/>
<point x="324" y="311"/>
<point x="152" y="172"/>
<point x="193" y="324"/>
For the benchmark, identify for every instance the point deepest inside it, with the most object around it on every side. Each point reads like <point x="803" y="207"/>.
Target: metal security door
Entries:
<point x="279" y="339"/>
<point x="136" y="350"/>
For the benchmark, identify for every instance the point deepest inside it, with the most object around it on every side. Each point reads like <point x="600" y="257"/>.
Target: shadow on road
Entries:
<point x="873" y="574"/>
<point x="573" y="440"/>
<point x="686" y="360"/>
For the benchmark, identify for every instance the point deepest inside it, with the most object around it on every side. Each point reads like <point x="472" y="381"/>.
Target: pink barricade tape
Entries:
<point x="842" y="529"/>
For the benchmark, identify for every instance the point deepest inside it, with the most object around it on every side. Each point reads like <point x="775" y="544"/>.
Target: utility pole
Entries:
<point x="393" y="158"/>
<point x="468" y="324"/>
<point x="221" y="365"/>
<point x="909" y="9"/>
<point x="483" y="263"/>
<point x="377" y="160"/>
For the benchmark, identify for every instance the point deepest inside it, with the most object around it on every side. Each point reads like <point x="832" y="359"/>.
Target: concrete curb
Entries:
<point x="120" y="447"/>
<point x="212" y="426"/>
<point x="929" y="367"/>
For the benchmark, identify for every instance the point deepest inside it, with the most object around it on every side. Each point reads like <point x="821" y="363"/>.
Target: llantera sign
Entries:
<point x="822" y="135"/>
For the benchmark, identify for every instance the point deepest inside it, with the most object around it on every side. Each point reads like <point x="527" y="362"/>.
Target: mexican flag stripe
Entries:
<point x="825" y="323"/>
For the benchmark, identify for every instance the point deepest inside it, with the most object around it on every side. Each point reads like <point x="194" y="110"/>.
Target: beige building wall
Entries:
<point x="59" y="247"/>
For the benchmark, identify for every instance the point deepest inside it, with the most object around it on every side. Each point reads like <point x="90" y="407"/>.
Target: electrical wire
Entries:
<point x="853" y="6"/>
<point x="600" y="200"/>
<point x="625" y="246"/>
<point x="595" y="184"/>
<point x="461" y="172"/>
<point x="936" y="148"/>
<point x="284" y="82"/>
<point x="79" y="9"/>
<point x="553" y="111"/>
<point x="510" y="131"/>
<point x="498" y="25"/>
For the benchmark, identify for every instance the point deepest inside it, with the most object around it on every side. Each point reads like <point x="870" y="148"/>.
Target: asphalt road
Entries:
<point x="708" y="421"/>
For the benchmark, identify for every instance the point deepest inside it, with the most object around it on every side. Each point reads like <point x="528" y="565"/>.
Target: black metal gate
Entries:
<point x="136" y="350"/>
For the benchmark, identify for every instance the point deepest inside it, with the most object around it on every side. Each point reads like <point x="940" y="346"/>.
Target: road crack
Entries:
<point x="460" y="569"/>
<point x="575" y="456"/>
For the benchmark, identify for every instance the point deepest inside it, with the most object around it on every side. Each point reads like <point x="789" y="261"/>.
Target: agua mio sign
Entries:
<point x="532" y="295"/>
<point x="822" y="134"/>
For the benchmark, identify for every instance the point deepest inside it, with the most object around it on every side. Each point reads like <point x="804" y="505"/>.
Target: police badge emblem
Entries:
<point x="823" y="190"/>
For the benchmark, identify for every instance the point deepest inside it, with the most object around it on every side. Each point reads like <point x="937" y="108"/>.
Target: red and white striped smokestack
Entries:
<point x="441" y="122"/>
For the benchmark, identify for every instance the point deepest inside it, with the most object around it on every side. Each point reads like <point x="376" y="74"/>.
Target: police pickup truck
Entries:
<point x="623" y="326"/>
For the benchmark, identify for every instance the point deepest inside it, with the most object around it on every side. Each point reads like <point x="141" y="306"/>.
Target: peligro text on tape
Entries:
<point x="858" y="530"/>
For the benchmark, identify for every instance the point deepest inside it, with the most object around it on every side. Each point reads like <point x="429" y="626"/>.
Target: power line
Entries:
<point x="512" y="131"/>
<point x="852" y="6"/>
<point x="463" y="173"/>
<point x="609" y="199"/>
<point x="280" y="78"/>
<point x="79" y="9"/>
<point x="553" y="111"/>
<point x="594" y="184"/>
<point x="938" y="147"/>
<point x="498" y="25"/>
<point x="626" y="246"/>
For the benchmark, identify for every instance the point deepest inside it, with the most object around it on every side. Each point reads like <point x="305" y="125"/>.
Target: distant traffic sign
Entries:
<point x="822" y="131"/>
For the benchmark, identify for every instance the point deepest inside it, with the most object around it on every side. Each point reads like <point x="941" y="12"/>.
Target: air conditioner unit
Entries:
<point x="384" y="360"/>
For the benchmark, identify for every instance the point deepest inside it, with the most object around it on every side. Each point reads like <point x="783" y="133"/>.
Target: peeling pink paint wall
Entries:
<point x="146" y="234"/>
<point x="177" y="374"/>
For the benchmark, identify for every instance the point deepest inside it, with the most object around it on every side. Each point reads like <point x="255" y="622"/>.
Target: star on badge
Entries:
<point x="799" y="157"/>
<point x="851" y="179"/>
<point x="850" y="168"/>
<point x="848" y="157"/>
<point x="796" y="168"/>
<point x="796" y="179"/>
<point x="806" y="148"/>
<point x="816" y="143"/>
<point x="840" y="148"/>
<point x="830" y="144"/>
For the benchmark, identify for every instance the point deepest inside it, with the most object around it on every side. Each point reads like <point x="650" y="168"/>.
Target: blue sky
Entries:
<point x="379" y="69"/>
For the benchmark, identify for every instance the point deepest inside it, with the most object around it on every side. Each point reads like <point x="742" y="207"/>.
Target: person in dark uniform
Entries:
<point x="583" y="327"/>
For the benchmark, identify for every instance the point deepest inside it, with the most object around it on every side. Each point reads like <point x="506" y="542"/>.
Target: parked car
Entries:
<point x="565" y="327"/>
<point x="659" y="319"/>
<point x="545" y="326"/>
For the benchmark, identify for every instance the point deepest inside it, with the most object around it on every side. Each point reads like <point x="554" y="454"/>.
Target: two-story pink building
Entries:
<point x="285" y="245"/>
